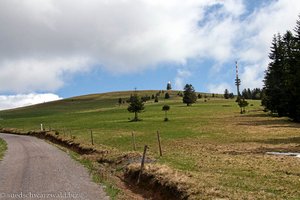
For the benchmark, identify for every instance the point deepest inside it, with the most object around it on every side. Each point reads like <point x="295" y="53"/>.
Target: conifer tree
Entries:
<point x="226" y="94"/>
<point x="189" y="95"/>
<point x="281" y="93"/>
<point x="166" y="108"/>
<point x="274" y="87"/>
<point x="136" y="106"/>
<point x="294" y="82"/>
<point x="167" y="96"/>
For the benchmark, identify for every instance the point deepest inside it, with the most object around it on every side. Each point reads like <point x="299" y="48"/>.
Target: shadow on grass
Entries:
<point x="256" y="115"/>
<point x="280" y="123"/>
<point x="267" y="120"/>
<point x="289" y="140"/>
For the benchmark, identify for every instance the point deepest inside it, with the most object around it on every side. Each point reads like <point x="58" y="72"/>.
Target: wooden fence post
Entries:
<point x="92" y="137"/>
<point x="159" y="145"/>
<point x="133" y="141"/>
<point x="142" y="163"/>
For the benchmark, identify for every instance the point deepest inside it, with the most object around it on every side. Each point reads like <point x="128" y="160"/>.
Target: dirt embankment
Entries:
<point x="156" y="181"/>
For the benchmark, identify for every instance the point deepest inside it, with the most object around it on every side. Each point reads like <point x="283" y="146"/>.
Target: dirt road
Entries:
<point x="34" y="169"/>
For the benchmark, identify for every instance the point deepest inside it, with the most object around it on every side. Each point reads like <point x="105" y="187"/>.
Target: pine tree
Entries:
<point x="166" y="108"/>
<point x="252" y="94"/>
<point x="120" y="101"/>
<point x="136" y="106"/>
<point x="226" y="94"/>
<point x="294" y="78"/>
<point x="256" y="93"/>
<point x="189" y="95"/>
<point x="281" y="93"/>
<point x="167" y="96"/>
<point x="274" y="79"/>
<point x="243" y="104"/>
<point x="249" y="94"/>
<point x="245" y="94"/>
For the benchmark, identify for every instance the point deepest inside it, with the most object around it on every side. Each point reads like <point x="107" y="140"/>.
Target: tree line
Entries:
<point x="282" y="78"/>
<point x="255" y="94"/>
<point x="136" y="103"/>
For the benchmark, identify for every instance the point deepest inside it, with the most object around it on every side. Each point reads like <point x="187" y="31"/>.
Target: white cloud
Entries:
<point x="180" y="79"/>
<point x="58" y="37"/>
<point x="32" y="75"/>
<point x="251" y="39"/>
<point x="256" y="36"/>
<point x="121" y="36"/>
<point x="15" y="101"/>
<point x="252" y="76"/>
<point x="219" y="88"/>
<point x="235" y="7"/>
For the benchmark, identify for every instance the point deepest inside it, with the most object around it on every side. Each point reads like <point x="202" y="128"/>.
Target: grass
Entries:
<point x="3" y="148"/>
<point x="221" y="150"/>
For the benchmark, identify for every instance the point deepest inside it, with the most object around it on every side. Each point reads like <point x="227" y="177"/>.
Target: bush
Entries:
<point x="166" y="108"/>
<point x="167" y="96"/>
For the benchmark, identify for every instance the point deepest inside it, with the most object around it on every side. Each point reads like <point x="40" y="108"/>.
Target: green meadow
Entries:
<point x="222" y="151"/>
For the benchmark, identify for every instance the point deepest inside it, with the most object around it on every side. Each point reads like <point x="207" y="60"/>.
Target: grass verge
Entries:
<point x="3" y="147"/>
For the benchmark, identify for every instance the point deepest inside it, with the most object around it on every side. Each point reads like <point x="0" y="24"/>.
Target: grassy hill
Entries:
<point x="222" y="151"/>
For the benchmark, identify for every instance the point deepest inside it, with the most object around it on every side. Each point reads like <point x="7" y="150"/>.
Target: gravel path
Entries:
<point x="34" y="169"/>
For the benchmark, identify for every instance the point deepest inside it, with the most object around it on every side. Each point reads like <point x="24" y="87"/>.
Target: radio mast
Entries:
<point x="237" y="80"/>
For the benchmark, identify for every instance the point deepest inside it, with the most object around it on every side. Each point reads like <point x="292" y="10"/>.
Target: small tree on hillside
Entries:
<point x="243" y="104"/>
<point x="136" y="106"/>
<point x="120" y="101"/>
<point x="145" y="98"/>
<point x="156" y="99"/>
<point x="166" y="108"/>
<point x="199" y="96"/>
<point x="189" y="95"/>
<point x="226" y="94"/>
<point x="167" y="96"/>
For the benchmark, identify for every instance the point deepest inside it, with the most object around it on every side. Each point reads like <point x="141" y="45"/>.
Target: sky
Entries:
<point x="54" y="49"/>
